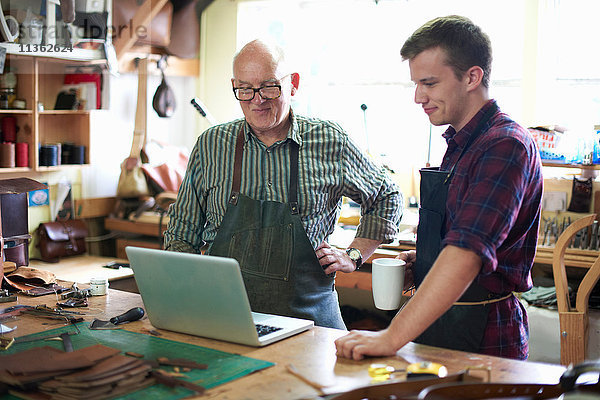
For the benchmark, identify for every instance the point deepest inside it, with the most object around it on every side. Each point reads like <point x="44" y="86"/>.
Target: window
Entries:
<point x="546" y="68"/>
<point x="348" y="54"/>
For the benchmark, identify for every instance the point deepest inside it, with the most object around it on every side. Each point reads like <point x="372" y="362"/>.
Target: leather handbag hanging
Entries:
<point x="132" y="181"/>
<point x="163" y="101"/>
<point x="61" y="238"/>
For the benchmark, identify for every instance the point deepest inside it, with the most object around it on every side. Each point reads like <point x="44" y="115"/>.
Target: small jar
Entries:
<point x="8" y="80"/>
<point x="7" y="96"/>
<point x="98" y="286"/>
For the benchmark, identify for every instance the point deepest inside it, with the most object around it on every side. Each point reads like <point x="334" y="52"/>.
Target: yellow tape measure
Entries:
<point x="383" y="372"/>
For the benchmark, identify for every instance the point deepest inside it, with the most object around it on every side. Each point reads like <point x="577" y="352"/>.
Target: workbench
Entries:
<point x="81" y="268"/>
<point x="311" y="352"/>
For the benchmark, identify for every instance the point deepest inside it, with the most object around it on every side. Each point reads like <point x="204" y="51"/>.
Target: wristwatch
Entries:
<point x="355" y="255"/>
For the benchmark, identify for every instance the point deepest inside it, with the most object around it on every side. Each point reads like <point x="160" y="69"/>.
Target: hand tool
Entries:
<point x="65" y="337"/>
<point x="132" y="315"/>
<point x="53" y="313"/>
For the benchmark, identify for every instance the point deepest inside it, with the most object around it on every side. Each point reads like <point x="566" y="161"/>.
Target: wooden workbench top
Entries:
<point x="81" y="268"/>
<point x="311" y="352"/>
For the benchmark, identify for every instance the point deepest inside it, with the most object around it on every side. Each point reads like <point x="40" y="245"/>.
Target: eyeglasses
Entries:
<point x="269" y="92"/>
<point x="266" y="92"/>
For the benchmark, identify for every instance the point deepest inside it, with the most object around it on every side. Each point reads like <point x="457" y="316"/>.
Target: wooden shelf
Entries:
<point x="14" y="111"/>
<point x="63" y="53"/>
<point x="65" y="112"/>
<point x="577" y="258"/>
<point x="573" y="257"/>
<point x="16" y="169"/>
<point x="563" y="165"/>
<point x="39" y="80"/>
<point x="141" y="228"/>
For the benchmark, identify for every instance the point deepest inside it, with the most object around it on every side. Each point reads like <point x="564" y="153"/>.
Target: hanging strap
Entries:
<point x="237" y="173"/>
<point x="139" y="131"/>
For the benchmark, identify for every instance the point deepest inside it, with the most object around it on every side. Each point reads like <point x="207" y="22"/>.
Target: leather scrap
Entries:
<point x="46" y="359"/>
<point x="32" y="276"/>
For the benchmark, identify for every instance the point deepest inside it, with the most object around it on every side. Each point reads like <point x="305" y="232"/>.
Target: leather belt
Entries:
<point x="483" y="302"/>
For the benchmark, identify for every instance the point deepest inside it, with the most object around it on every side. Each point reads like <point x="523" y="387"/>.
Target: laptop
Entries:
<point x="204" y="296"/>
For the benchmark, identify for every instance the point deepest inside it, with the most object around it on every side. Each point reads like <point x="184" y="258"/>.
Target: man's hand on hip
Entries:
<point x="333" y="259"/>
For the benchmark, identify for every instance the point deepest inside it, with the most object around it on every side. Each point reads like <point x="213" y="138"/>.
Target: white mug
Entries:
<point x="387" y="276"/>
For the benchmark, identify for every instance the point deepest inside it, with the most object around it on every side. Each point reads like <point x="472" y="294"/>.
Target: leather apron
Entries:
<point x="462" y="327"/>
<point x="281" y="271"/>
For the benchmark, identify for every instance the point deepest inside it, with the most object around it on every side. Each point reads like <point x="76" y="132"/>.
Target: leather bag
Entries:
<point x="163" y="101"/>
<point x="61" y="238"/>
<point x="132" y="181"/>
<point x="157" y="34"/>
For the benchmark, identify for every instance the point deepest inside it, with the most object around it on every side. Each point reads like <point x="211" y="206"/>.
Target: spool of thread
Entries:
<point x="66" y="150"/>
<point x="7" y="155"/>
<point x="22" y="154"/>
<point x="58" y="153"/>
<point x="9" y="129"/>
<point x="48" y="155"/>
<point x="77" y="154"/>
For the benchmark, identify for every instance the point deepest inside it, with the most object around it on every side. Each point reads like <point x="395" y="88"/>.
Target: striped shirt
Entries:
<point x="330" y="166"/>
<point x="493" y="209"/>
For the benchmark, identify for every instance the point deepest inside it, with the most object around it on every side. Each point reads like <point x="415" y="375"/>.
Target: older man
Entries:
<point x="267" y="190"/>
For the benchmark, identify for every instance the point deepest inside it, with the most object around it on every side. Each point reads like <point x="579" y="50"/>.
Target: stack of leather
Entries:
<point x="95" y="372"/>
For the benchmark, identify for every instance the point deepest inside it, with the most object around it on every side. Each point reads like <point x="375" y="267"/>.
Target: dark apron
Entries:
<point x="281" y="271"/>
<point x="462" y="327"/>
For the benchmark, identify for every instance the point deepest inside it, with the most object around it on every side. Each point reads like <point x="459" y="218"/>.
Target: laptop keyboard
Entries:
<point x="266" y="329"/>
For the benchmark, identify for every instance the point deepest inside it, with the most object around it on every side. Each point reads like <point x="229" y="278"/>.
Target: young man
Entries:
<point x="267" y="190"/>
<point x="479" y="216"/>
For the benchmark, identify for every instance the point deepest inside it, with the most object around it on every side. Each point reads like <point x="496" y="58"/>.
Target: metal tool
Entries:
<point x="53" y="313"/>
<point x="6" y="297"/>
<point x="65" y="337"/>
<point x="76" y="293"/>
<point x="132" y="315"/>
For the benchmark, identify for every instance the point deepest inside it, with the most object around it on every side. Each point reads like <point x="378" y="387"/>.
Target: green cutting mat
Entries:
<point x="222" y="367"/>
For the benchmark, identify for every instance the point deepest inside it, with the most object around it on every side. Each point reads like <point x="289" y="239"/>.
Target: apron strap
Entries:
<point x="293" y="195"/>
<point x="237" y="173"/>
<point x="237" y="169"/>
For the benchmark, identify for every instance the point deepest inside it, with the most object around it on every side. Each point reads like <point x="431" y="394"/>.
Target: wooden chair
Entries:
<point x="573" y="321"/>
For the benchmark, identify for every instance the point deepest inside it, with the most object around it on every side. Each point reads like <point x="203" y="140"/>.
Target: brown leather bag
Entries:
<point x="157" y="34"/>
<point x="61" y="238"/>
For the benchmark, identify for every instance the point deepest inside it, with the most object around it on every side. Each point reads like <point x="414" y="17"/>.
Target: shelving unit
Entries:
<point x="39" y="80"/>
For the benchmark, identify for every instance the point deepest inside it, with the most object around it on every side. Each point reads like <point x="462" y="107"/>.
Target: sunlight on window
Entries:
<point x="348" y="54"/>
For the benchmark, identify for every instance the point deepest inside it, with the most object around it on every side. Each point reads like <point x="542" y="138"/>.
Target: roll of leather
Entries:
<point x="49" y="155"/>
<point x="7" y="155"/>
<point x="22" y="154"/>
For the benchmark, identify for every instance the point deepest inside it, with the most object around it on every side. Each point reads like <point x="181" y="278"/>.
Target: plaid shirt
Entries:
<point x="493" y="209"/>
<point x="330" y="166"/>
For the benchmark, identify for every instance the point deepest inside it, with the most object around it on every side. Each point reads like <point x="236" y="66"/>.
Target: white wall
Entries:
<point x="112" y="129"/>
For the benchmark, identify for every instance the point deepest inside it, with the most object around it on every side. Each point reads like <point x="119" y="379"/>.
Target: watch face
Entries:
<point x="354" y="254"/>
